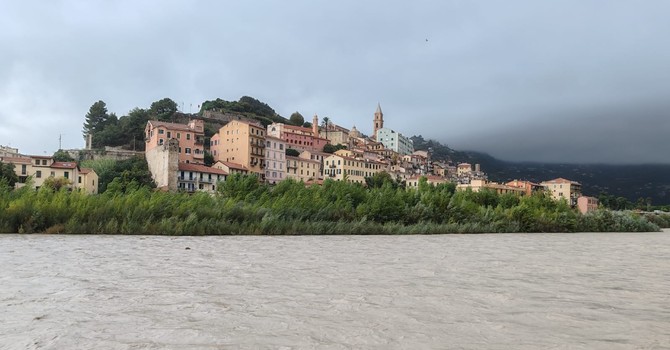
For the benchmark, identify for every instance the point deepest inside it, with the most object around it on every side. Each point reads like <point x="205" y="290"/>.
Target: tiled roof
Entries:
<point x="171" y="126"/>
<point x="85" y="170"/>
<point x="15" y="160"/>
<point x="64" y="165"/>
<point x="233" y="165"/>
<point x="308" y="130"/>
<point x="201" y="169"/>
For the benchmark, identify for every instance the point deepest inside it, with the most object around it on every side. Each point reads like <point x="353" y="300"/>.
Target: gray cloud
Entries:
<point x="597" y="74"/>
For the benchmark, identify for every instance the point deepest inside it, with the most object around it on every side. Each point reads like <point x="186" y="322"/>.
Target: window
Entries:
<point x="160" y="141"/>
<point x="66" y="174"/>
<point x="23" y="169"/>
<point x="178" y="135"/>
<point x="53" y="173"/>
<point x="169" y="134"/>
<point x="188" y="136"/>
<point x="38" y="174"/>
<point x="281" y="146"/>
<point x="44" y="162"/>
<point x="161" y="131"/>
<point x="37" y="162"/>
<point x="79" y="180"/>
<point x="188" y="150"/>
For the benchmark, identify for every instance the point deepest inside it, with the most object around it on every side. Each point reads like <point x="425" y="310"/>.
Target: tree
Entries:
<point x="307" y="125"/>
<point x="297" y="119"/>
<point x="209" y="158"/>
<point x="96" y="119"/>
<point x="55" y="183"/>
<point x="292" y="152"/>
<point x="7" y="174"/>
<point x="62" y="156"/>
<point x="328" y="148"/>
<point x="325" y="123"/>
<point x="163" y="109"/>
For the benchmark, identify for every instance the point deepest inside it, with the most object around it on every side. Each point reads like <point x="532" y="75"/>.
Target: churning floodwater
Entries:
<point x="498" y="291"/>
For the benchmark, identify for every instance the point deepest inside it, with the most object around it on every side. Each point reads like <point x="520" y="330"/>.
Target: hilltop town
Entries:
<point x="180" y="157"/>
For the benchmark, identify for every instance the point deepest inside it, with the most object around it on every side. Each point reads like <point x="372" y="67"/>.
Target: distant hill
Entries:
<point x="629" y="181"/>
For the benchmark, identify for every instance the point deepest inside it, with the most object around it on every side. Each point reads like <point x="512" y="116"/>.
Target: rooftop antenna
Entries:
<point x="60" y="141"/>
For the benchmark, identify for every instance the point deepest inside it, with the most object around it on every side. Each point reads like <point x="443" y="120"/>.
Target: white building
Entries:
<point x="395" y="141"/>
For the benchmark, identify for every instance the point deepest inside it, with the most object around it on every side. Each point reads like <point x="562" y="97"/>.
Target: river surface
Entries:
<point x="498" y="291"/>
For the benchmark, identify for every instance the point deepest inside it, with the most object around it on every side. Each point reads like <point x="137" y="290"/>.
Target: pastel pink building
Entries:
<point x="298" y="137"/>
<point x="587" y="204"/>
<point x="191" y="138"/>
<point x="275" y="159"/>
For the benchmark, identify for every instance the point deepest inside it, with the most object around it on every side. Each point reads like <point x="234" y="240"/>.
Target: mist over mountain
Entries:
<point x="629" y="181"/>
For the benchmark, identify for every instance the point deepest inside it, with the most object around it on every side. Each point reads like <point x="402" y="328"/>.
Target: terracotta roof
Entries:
<point x="41" y="157"/>
<point x="308" y="130"/>
<point x="359" y="160"/>
<point x="201" y="169"/>
<point x="64" y="165"/>
<point x="302" y="159"/>
<point x="15" y="160"/>
<point x="233" y="165"/>
<point x="462" y="165"/>
<point x="171" y="126"/>
<point x="85" y="170"/>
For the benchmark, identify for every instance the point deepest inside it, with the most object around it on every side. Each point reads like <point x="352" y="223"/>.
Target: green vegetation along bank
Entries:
<point x="243" y="206"/>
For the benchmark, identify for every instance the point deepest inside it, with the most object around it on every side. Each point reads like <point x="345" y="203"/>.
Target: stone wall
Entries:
<point x="163" y="163"/>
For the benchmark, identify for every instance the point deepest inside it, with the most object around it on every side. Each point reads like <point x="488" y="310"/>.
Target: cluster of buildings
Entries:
<point x="175" y="154"/>
<point x="41" y="168"/>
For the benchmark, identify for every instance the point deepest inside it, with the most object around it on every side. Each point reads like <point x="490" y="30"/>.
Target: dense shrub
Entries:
<point x="244" y="206"/>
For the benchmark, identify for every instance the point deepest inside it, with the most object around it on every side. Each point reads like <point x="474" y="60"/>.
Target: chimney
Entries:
<point x="477" y="167"/>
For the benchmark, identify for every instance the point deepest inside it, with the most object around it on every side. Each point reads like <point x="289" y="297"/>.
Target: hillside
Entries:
<point x="629" y="181"/>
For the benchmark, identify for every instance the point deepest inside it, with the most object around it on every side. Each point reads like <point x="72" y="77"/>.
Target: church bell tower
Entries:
<point x="378" y="121"/>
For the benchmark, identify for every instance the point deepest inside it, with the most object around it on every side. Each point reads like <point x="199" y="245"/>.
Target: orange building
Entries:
<point x="191" y="138"/>
<point x="241" y="142"/>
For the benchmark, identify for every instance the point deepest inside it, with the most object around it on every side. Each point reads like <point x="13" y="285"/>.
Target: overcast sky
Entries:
<point x="551" y="81"/>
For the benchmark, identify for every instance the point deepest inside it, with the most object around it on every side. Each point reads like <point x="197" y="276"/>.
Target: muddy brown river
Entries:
<point x="498" y="291"/>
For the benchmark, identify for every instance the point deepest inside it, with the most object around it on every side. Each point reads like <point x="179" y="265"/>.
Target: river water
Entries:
<point x="502" y="291"/>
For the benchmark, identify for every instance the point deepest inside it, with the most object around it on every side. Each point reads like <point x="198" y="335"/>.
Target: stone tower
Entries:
<point x="378" y="121"/>
<point x="315" y="125"/>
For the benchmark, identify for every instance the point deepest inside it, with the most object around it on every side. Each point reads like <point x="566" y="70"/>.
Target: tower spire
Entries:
<point x="378" y="121"/>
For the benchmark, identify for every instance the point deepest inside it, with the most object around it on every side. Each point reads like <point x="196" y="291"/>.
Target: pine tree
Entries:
<point x="96" y="118"/>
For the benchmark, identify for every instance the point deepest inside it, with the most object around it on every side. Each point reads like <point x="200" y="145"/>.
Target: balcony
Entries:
<point x="199" y="155"/>
<point x="205" y="180"/>
<point x="188" y="179"/>
<point x="289" y="166"/>
<point x="332" y="166"/>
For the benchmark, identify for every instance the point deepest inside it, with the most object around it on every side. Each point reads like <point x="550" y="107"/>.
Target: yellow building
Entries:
<point x="241" y="142"/>
<point x="40" y="168"/>
<point x="302" y="168"/>
<point x="561" y="188"/>
<point x="337" y="167"/>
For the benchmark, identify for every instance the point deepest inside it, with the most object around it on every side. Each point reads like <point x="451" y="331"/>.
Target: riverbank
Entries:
<point x="245" y="207"/>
